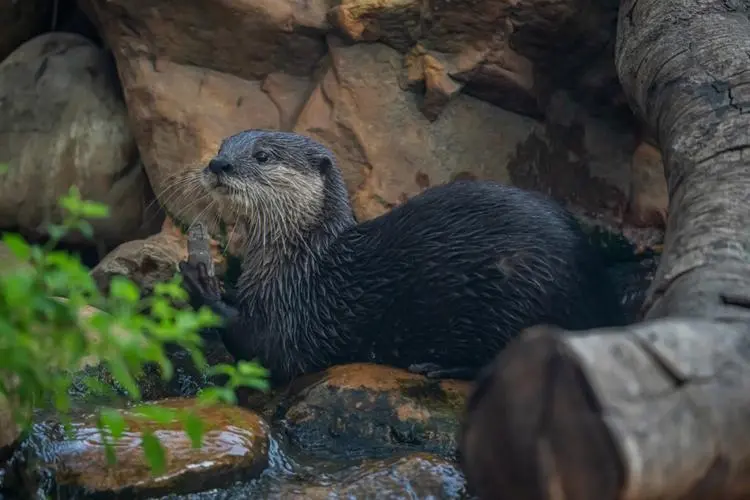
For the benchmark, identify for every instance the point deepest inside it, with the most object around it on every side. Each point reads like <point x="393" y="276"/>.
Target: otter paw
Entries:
<point x="201" y="287"/>
<point x="433" y="370"/>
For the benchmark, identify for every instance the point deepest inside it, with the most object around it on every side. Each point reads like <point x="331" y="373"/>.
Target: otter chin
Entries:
<point x="213" y="182"/>
<point x="438" y="285"/>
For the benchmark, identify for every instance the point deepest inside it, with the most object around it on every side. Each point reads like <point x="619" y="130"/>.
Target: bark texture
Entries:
<point x="660" y="409"/>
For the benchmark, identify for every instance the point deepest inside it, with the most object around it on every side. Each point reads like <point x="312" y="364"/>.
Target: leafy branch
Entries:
<point x="54" y="321"/>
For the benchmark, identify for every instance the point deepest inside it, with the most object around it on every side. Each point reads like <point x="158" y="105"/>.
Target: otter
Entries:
<point x="438" y="285"/>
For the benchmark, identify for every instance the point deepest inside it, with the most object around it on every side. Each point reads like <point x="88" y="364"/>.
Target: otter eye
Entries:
<point x="261" y="156"/>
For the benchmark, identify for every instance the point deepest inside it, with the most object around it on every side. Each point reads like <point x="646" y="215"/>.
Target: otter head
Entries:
<point x="287" y="185"/>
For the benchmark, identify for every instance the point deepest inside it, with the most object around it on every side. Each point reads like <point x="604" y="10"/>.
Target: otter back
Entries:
<point x="448" y="278"/>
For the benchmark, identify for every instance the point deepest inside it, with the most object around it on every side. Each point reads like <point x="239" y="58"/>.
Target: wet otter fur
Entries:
<point x="438" y="285"/>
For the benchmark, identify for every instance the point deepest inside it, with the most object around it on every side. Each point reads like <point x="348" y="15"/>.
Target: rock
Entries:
<point x="370" y="410"/>
<point x="64" y="123"/>
<point x="359" y="104"/>
<point x="235" y="446"/>
<point x="474" y="39"/>
<point x="9" y="430"/>
<point x="195" y="73"/>
<point x="583" y="161"/>
<point x="426" y="69"/>
<point x="21" y="21"/>
<point x="579" y="159"/>
<point x="649" y="197"/>
<point x="418" y="475"/>
<point x="149" y="261"/>
<point x="145" y="262"/>
<point x="187" y="379"/>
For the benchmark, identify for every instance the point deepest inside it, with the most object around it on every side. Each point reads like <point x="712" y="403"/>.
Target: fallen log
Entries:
<point x="659" y="409"/>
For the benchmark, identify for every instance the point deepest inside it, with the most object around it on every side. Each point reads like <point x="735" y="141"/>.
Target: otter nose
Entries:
<point x="219" y="166"/>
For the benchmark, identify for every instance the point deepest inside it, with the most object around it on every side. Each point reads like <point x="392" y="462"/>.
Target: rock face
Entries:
<point x="372" y="410"/>
<point x="196" y="73"/>
<point x="235" y="445"/>
<point x="357" y="106"/>
<point x="64" y="123"/>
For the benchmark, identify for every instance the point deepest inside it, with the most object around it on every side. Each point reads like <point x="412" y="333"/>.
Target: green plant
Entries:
<point x="47" y="331"/>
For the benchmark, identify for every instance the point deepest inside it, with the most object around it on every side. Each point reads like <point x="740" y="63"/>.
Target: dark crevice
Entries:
<point x="675" y="377"/>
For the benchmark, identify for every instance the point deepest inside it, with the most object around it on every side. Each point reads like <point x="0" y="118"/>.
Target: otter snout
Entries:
<point x="215" y="174"/>
<point x="219" y="166"/>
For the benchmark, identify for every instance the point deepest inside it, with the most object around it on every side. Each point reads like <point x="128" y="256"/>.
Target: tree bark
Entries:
<point x="660" y="409"/>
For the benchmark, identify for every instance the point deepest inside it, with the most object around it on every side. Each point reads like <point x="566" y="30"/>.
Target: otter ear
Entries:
<point x="322" y="162"/>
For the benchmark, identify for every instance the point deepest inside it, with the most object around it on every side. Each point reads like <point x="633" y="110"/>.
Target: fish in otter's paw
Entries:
<point x="437" y="285"/>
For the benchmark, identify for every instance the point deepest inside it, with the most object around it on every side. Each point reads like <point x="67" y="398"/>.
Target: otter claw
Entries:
<point x="200" y="286"/>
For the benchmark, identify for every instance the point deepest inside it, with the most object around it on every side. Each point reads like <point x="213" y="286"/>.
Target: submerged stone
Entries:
<point x="235" y="447"/>
<point x="414" y="476"/>
<point x="366" y="410"/>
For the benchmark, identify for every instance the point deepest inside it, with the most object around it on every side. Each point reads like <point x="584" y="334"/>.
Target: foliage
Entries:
<point x="48" y="329"/>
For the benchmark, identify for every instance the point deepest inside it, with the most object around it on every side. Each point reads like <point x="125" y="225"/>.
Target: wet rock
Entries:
<point x="369" y="410"/>
<point x="235" y="446"/>
<point x="414" y="476"/>
<point x="21" y="21"/>
<point x="186" y="381"/>
<point x="196" y="72"/>
<point x="151" y="260"/>
<point x="649" y="196"/>
<point x="63" y="123"/>
<point x="358" y="106"/>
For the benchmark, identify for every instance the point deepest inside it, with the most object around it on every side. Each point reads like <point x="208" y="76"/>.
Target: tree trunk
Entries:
<point x="660" y="409"/>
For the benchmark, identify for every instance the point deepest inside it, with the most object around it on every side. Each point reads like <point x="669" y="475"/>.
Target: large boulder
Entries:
<point x="361" y="410"/>
<point x="64" y="123"/>
<point x="235" y="446"/>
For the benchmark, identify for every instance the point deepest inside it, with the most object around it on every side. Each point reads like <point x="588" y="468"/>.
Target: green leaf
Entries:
<point x="56" y="232"/>
<point x="86" y="229"/>
<point x="154" y="453"/>
<point x="222" y="369"/>
<point x="94" y="210"/>
<point x="123" y="289"/>
<point x="194" y="428"/>
<point x="71" y="202"/>
<point x="155" y="413"/>
<point x="17" y="245"/>
<point x="95" y="386"/>
<point x="112" y="420"/>
<point x="109" y="452"/>
<point x="122" y="375"/>
<point x="212" y="395"/>
<point x="251" y="369"/>
<point x="259" y="384"/>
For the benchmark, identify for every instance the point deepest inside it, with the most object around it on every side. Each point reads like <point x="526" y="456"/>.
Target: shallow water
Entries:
<point x="287" y="476"/>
